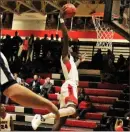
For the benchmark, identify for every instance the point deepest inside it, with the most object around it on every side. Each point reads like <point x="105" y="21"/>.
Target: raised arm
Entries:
<point x="80" y="60"/>
<point x="65" y="49"/>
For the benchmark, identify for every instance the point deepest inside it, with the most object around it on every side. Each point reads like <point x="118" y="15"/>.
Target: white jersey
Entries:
<point x="5" y="123"/>
<point x="70" y="70"/>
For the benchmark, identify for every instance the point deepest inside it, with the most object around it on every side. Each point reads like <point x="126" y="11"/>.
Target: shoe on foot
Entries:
<point x="37" y="120"/>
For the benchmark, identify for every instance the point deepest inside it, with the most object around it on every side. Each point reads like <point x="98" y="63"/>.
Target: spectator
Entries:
<point x="17" y="78"/>
<point x="37" y="47"/>
<point x="46" y="88"/>
<point x="24" y="49"/>
<point x="81" y="95"/>
<point x="97" y="60"/>
<point x="52" y="37"/>
<point x="121" y="61"/>
<point x="35" y="84"/>
<point x="84" y="107"/>
<point x="57" y="37"/>
<point x="79" y="23"/>
<point x="8" y="48"/>
<point x="119" y="125"/>
<point x="45" y="45"/>
<point x="16" y="41"/>
<point x="30" y="49"/>
<point x="110" y="55"/>
<point x="45" y="37"/>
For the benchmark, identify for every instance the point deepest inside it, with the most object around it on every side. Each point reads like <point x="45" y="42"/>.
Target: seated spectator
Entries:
<point x="84" y="107"/>
<point x="119" y="125"/>
<point x="35" y="84"/>
<point x="81" y="95"/>
<point x="17" y="78"/>
<point x="46" y="88"/>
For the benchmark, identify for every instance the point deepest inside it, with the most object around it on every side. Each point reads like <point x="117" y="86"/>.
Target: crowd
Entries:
<point x="32" y="55"/>
<point x="111" y="71"/>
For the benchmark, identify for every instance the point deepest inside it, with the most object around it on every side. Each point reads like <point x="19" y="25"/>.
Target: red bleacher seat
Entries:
<point x="29" y="80"/>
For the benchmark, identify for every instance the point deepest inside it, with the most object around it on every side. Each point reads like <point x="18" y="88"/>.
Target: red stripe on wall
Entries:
<point x="10" y="108"/>
<point x="40" y="111"/>
<point x="72" y="34"/>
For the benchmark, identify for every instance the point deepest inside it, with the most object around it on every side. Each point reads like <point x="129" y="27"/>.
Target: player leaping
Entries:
<point x="68" y="95"/>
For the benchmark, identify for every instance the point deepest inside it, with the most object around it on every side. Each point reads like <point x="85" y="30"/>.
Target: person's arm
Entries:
<point x="65" y="49"/>
<point x="27" y="98"/>
<point x="11" y="123"/>
<point x="81" y="59"/>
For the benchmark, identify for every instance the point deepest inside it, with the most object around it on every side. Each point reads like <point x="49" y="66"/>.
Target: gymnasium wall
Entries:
<point x="29" y="21"/>
<point x="81" y="35"/>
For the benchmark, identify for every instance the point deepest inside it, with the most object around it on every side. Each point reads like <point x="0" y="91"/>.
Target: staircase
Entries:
<point x="106" y="97"/>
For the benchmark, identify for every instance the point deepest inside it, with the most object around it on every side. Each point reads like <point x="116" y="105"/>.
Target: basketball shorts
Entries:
<point x="69" y="94"/>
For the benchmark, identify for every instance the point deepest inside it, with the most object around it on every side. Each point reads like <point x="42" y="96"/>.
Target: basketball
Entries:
<point x="69" y="10"/>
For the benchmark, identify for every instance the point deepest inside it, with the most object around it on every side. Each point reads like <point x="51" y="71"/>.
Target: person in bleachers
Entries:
<point x="119" y="125"/>
<point x="97" y="60"/>
<point x="18" y="79"/>
<point x="35" y="84"/>
<point x="121" y="61"/>
<point x="8" y="48"/>
<point x="84" y="107"/>
<point x="110" y="55"/>
<point x="52" y="37"/>
<point x="57" y="37"/>
<point x="109" y="70"/>
<point x="81" y="95"/>
<point x="30" y="49"/>
<point x="46" y="88"/>
<point x="16" y="41"/>
<point x="37" y="47"/>
<point x="44" y="45"/>
<point x="24" y="50"/>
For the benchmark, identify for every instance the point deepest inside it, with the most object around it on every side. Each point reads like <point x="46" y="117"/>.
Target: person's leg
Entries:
<point x="83" y="112"/>
<point x="63" y="112"/>
<point x="38" y="119"/>
<point x="58" y="126"/>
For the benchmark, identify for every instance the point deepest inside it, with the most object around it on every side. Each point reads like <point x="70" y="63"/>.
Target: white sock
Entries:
<point x="63" y="112"/>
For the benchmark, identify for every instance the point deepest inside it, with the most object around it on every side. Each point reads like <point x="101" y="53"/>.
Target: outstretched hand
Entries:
<point x="82" y="57"/>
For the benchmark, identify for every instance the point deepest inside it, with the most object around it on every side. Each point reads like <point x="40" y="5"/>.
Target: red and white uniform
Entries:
<point x="69" y="88"/>
<point x="5" y="123"/>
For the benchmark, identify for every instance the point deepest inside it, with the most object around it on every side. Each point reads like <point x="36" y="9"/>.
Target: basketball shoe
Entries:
<point x="37" y="120"/>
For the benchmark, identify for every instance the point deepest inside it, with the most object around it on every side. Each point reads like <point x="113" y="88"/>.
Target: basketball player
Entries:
<point x="68" y="96"/>
<point x="6" y="122"/>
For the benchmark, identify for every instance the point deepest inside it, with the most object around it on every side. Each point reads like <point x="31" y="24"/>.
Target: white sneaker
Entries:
<point x="37" y="120"/>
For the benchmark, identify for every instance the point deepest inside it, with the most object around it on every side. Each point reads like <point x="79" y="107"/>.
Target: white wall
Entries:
<point x="29" y="21"/>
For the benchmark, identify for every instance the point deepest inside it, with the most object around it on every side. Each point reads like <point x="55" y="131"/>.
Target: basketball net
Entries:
<point x="104" y="32"/>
